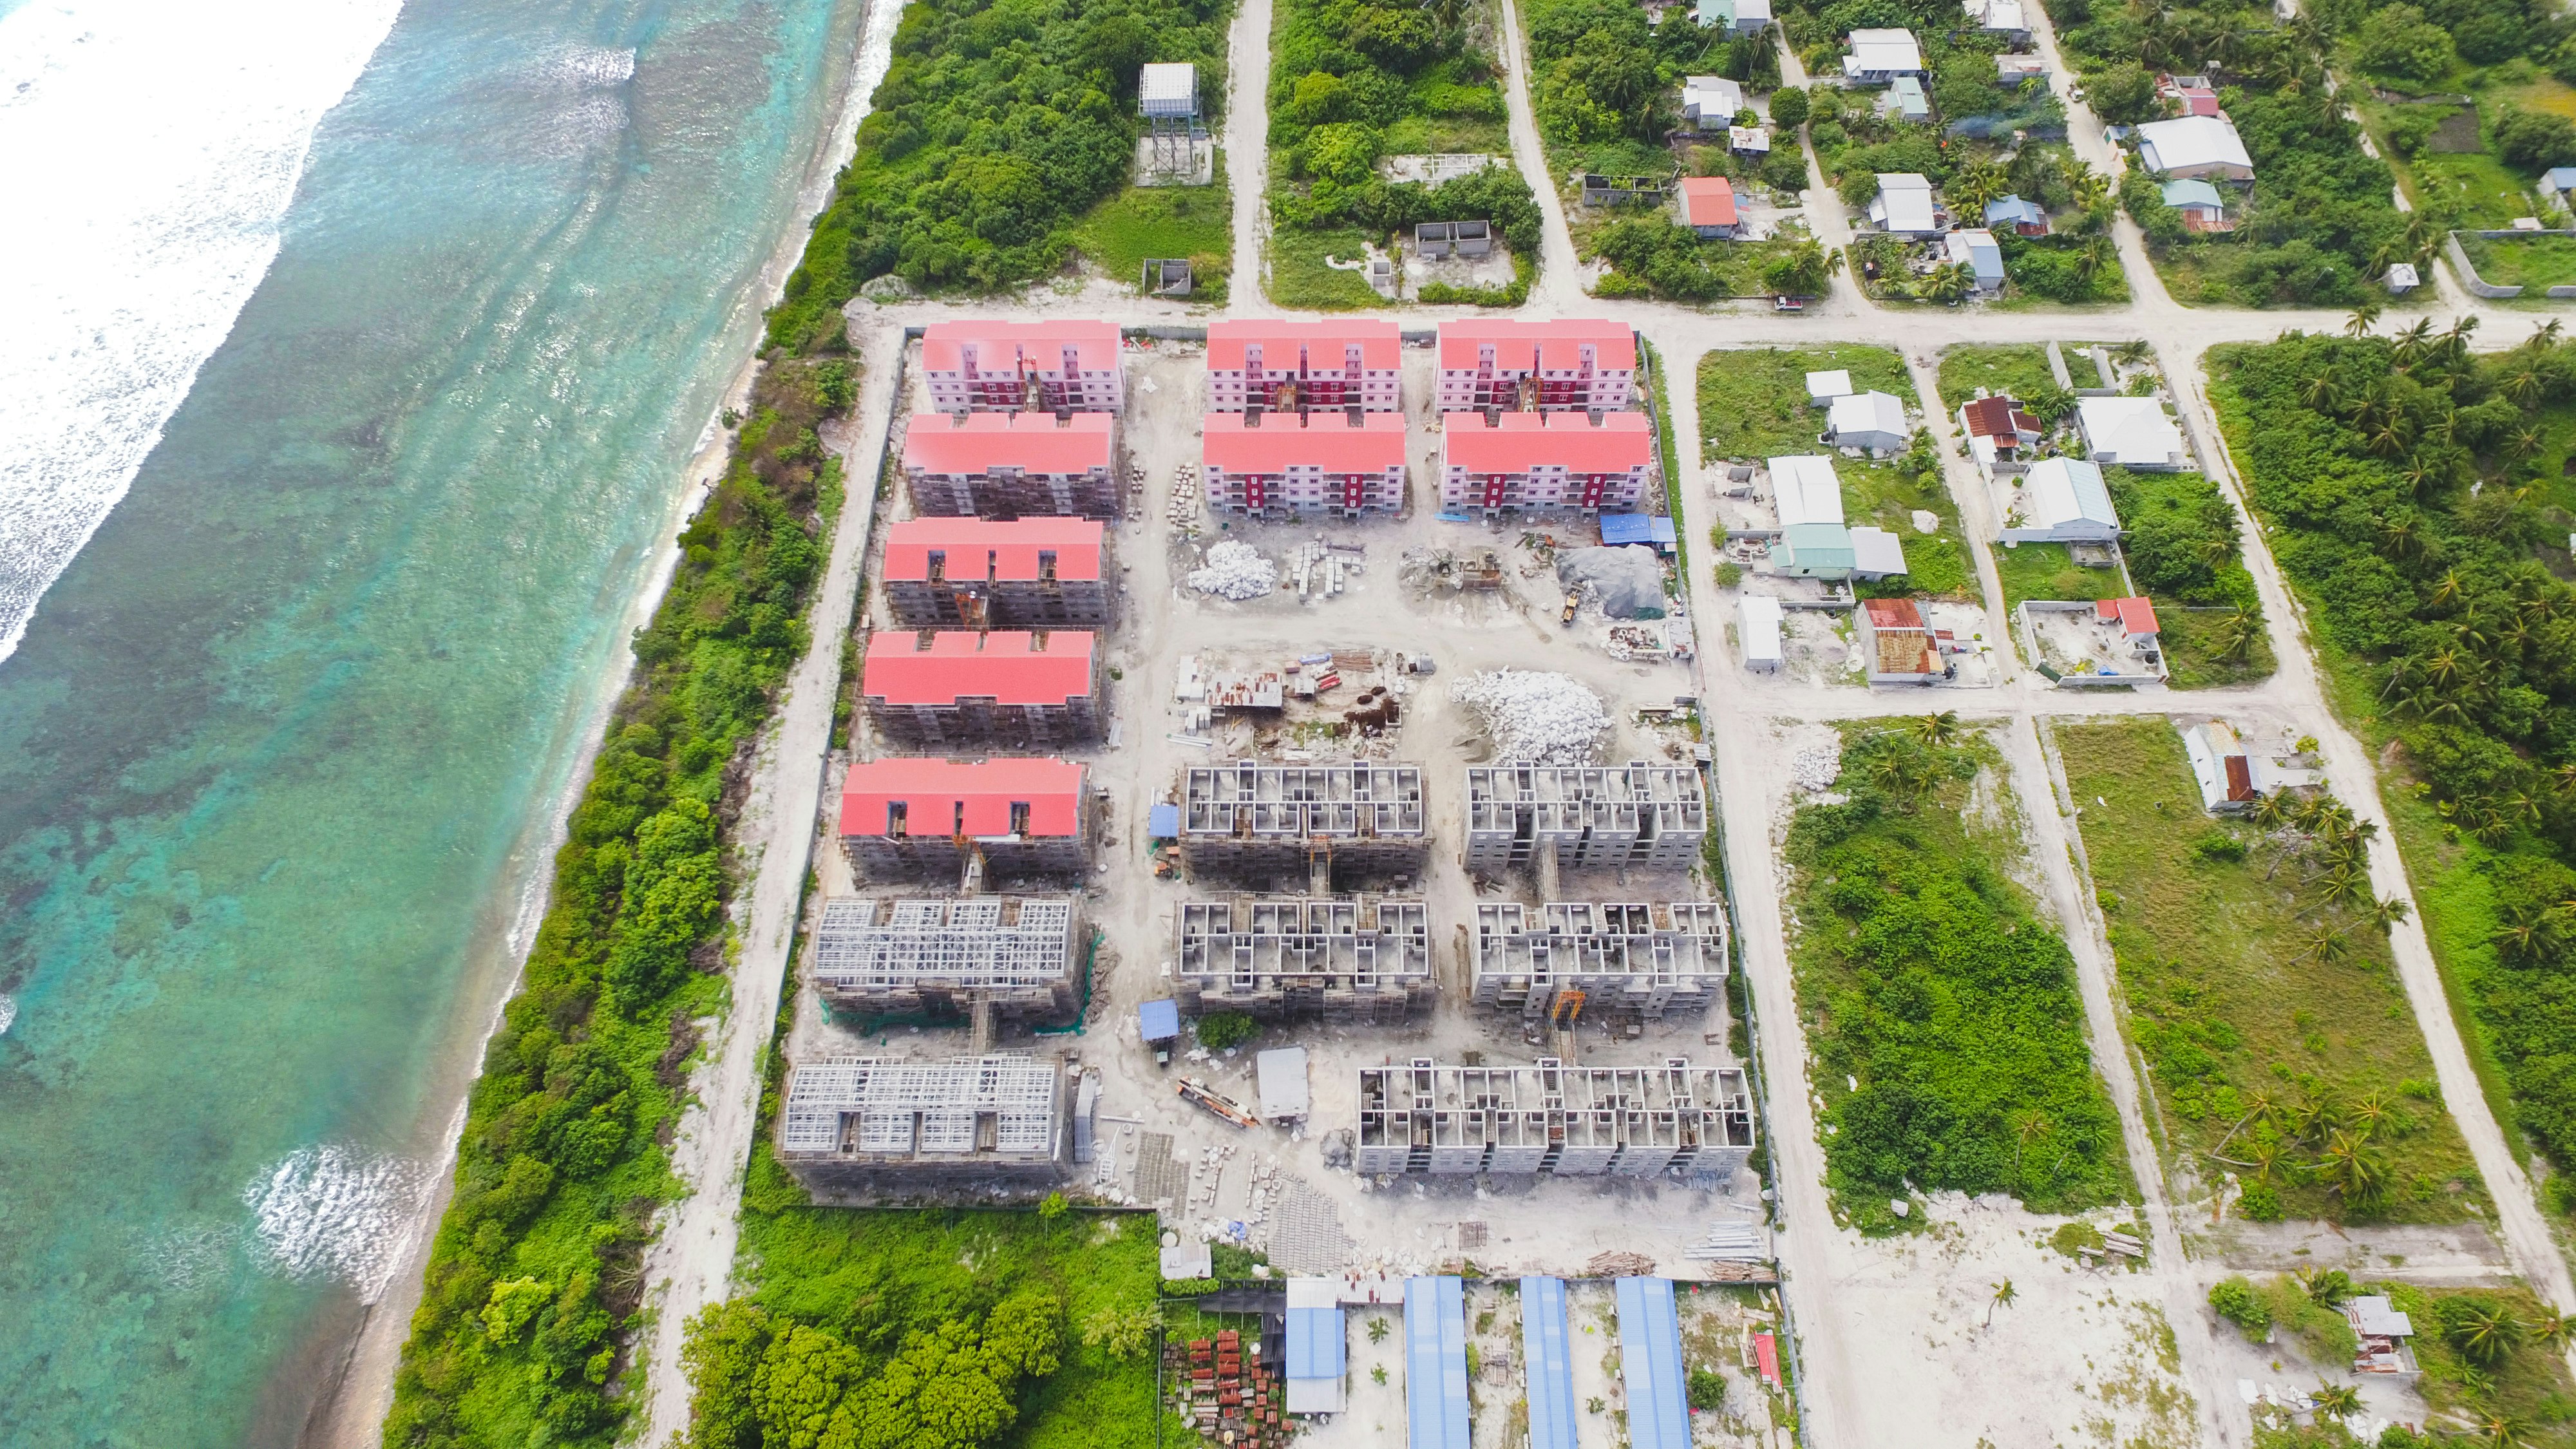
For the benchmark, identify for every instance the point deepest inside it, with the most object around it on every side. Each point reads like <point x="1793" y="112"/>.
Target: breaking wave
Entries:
<point x="338" y="1213"/>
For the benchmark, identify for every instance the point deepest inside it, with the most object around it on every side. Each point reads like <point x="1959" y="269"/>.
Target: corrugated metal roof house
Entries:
<point x="1435" y="1363"/>
<point x="1547" y="1364"/>
<point x="1650" y="1361"/>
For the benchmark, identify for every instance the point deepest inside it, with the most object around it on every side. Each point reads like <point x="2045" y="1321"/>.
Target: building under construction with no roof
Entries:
<point x="1354" y="957"/>
<point x="886" y="1124"/>
<point x="1018" y="956"/>
<point x="1568" y="959"/>
<point x="1594" y="817"/>
<point x="1552" y="1117"/>
<point x="1351" y="817"/>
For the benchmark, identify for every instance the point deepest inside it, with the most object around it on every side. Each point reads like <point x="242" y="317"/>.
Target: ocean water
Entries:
<point x="344" y="406"/>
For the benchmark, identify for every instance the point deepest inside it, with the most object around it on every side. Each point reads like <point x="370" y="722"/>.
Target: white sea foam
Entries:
<point x="8" y="1013"/>
<point x="337" y="1212"/>
<point x="148" y="149"/>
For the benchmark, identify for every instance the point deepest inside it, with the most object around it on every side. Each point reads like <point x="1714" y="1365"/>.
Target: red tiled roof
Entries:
<point x="979" y="548"/>
<point x="1893" y="614"/>
<point x="2135" y="615"/>
<point x="1708" y="201"/>
<point x="932" y="791"/>
<point x="1520" y="440"/>
<point x="999" y="346"/>
<point x="2240" y="778"/>
<point x="1009" y="666"/>
<point x="980" y="442"/>
<point x="1552" y="346"/>
<point x="1326" y="440"/>
<point x="1996" y="417"/>
<point x="1324" y="344"/>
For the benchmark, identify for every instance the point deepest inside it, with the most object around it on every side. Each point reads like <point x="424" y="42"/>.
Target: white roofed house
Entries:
<point x="2133" y="432"/>
<point x="1806" y="490"/>
<point x="1757" y="629"/>
<point x="1824" y="387"/>
<point x="1709" y="102"/>
<point x="1873" y="422"/>
<point x="2203" y="146"/>
<point x="2061" y="500"/>
<point x="1880" y="56"/>
<point x="1904" y="205"/>
<point x="1999" y="17"/>
<point x="1981" y="254"/>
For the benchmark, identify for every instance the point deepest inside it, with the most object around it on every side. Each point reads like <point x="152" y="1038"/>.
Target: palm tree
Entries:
<point x="2005" y="1296"/>
<point x="2270" y="812"/>
<point x="2325" y="946"/>
<point x="2522" y="385"/>
<point x="2386" y="914"/>
<point x="2545" y="335"/>
<point x="2402" y="535"/>
<point x="2323" y="393"/>
<point x="2237" y="633"/>
<point x="2336" y="1401"/>
<point x="1950" y="282"/>
<point x="1938" y="730"/>
<point x="2133" y="351"/>
<point x="2358" y="1173"/>
<point x="2484" y="1333"/>
<point x="2412" y="342"/>
<point x="2448" y="588"/>
<point x="2499" y="1430"/>
<point x="2364" y="317"/>
<point x="2552" y="1328"/>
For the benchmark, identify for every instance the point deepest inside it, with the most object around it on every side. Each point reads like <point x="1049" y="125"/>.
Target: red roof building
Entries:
<point x="1896" y="643"/>
<point x="1708" y="205"/>
<point x="1997" y="429"/>
<point x="1559" y="460"/>
<point x="1340" y="363"/>
<point x="1007" y="690"/>
<point x="979" y="573"/>
<point x="1490" y="362"/>
<point x="1311" y="463"/>
<point x="1008" y="366"/>
<point x="1002" y="465"/>
<point x="2135" y="616"/>
<point x="902" y="817"/>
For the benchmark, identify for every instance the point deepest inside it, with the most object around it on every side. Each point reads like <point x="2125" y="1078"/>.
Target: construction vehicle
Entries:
<point x="1198" y="1092"/>
<point x="1572" y="603"/>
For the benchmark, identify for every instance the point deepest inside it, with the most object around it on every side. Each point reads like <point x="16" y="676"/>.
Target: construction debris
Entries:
<point x="1816" y="770"/>
<point x="1235" y="571"/>
<point x="1628" y="580"/>
<point x="1619" y="1264"/>
<point x="1536" y="717"/>
<point x="1199" y="1093"/>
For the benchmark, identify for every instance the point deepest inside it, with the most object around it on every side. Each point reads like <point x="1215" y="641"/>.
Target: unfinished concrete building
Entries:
<point x="1363" y="957"/>
<point x="1552" y="1117"/>
<point x="883" y="1123"/>
<point x="1011" y="956"/>
<point x="982" y="573"/>
<point x="1248" y="818"/>
<point x="960" y="689"/>
<point x="1586" y="817"/>
<point x="1568" y="959"/>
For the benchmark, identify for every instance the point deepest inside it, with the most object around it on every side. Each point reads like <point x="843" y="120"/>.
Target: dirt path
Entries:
<point x="1559" y="276"/>
<point x="1247" y="155"/>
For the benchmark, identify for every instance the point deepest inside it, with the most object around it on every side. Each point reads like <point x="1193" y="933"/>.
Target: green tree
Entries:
<point x="1789" y="108"/>
<point x="2484" y="1331"/>
<point x="801" y="1381"/>
<point x="2397" y="41"/>
<point x="2235" y="1300"/>
<point x="2123" y="95"/>
<point x="1706" y="1390"/>
<point x="722" y="1351"/>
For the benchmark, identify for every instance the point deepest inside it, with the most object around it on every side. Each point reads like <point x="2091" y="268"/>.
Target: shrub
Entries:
<point x="2535" y="140"/>
<point x="1706" y="1390"/>
<point x="2235" y="1300"/>
<point x="1220" y="1030"/>
<point x="2219" y="846"/>
<point x="2397" y="41"/>
<point x="1789" y="107"/>
<point x="2259" y="1202"/>
<point x="2123" y="95"/>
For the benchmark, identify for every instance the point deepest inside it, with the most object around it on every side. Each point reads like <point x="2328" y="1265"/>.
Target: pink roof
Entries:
<point x="999" y="345"/>
<point x="1325" y="344"/>
<point x="1893" y="613"/>
<point x="979" y="548"/>
<point x="1323" y="439"/>
<point x="932" y="791"/>
<point x="980" y="442"/>
<point x="1010" y="666"/>
<point x="1520" y="440"/>
<point x="1555" y="346"/>
<point x="1708" y="201"/>
<point x="2136" y="615"/>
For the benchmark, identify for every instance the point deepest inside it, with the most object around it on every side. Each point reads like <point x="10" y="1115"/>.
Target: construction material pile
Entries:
<point x="1816" y="770"/>
<point x="1627" y="580"/>
<point x="1235" y="571"/>
<point x="1536" y="718"/>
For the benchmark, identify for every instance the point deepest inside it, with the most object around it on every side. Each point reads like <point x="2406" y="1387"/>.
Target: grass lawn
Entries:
<point x="2535" y="262"/>
<point x="1299" y="278"/>
<point x="1426" y="135"/>
<point x="1144" y="222"/>
<point x="2013" y="369"/>
<point x="2227" y="1000"/>
<point x="1937" y="564"/>
<point x="2196" y="657"/>
<point x="2049" y="571"/>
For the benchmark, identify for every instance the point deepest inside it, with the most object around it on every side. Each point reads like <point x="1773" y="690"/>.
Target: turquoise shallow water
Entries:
<point x="282" y="740"/>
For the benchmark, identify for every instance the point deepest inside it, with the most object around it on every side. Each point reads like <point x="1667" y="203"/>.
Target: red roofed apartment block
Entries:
<point x="1545" y="461"/>
<point x="1897" y="644"/>
<point x="1335" y="364"/>
<point x="1536" y="366"/>
<point x="1010" y="690"/>
<point x="975" y="367"/>
<point x="977" y="573"/>
<point x="1708" y="206"/>
<point x="910" y="817"/>
<point x="1007" y="465"/>
<point x="1315" y="463"/>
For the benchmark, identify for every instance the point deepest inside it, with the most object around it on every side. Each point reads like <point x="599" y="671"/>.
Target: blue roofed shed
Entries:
<point x="1646" y="528"/>
<point x="2559" y="178"/>
<point x="1650" y="1360"/>
<point x="1163" y="822"/>
<point x="1435" y="1363"/>
<point x="1315" y="1333"/>
<point x="2024" y="217"/>
<point x="1159" y="1020"/>
<point x="1549" y="1362"/>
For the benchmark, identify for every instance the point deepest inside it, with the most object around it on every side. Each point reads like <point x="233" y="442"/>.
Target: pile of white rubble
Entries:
<point x="1536" y="718"/>
<point x="1816" y="770"/>
<point x="1235" y="571"/>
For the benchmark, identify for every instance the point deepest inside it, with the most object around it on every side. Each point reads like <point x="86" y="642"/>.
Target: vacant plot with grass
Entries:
<point x="2049" y="571"/>
<point x="2016" y="369"/>
<point x="1141" y="223"/>
<point x="2535" y="262"/>
<point x="2279" y="1043"/>
<point x="2183" y="552"/>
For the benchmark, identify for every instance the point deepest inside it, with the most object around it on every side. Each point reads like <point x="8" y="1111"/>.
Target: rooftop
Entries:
<point x="1708" y="201"/>
<point x="1998" y="418"/>
<point x="962" y="797"/>
<point x="905" y="666"/>
<point x="982" y="548"/>
<point x="1518" y="441"/>
<point x="998" y="345"/>
<point x="1324" y="439"/>
<point x="980" y="442"/>
<point x="1549" y="346"/>
<point x="1807" y="489"/>
<point x="1325" y="344"/>
<point x="1893" y="614"/>
<point x="2134" y="615"/>
<point x="2187" y="142"/>
<point x="2067" y="490"/>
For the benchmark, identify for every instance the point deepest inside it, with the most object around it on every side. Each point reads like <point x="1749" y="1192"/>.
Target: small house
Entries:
<point x="1906" y="101"/>
<point x="2189" y="95"/>
<point x="1709" y="102"/>
<point x="2381" y="1333"/>
<point x="1824" y="387"/>
<point x="1880" y="56"/>
<point x="2024" y="218"/>
<point x="2557" y="181"/>
<point x="1873" y="422"/>
<point x="1999" y="17"/>
<point x="2063" y="500"/>
<point x="1876" y="554"/>
<point x="1904" y="205"/>
<point x="2012" y="70"/>
<point x="1997" y="430"/>
<point x="1313" y="1357"/>
<point x="1896" y="645"/>
<point x="1813" y="551"/>
<point x="2219" y="764"/>
<point x="2133" y="432"/>
<point x="2135" y="619"/>
<point x="1748" y="140"/>
<point x="2203" y="206"/>
<point x="2201" y="146"/>
<point x="1806" y="490"/>
<point x="2403" y="278"/>
<point x="1708" y="207"/>
<point x="1757" y="628"/>
<point x="1978" y="251"/>
<point x="1739" y="17"/>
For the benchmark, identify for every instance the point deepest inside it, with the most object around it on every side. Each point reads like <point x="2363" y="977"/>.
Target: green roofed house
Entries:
<point x="1742" y="17"/>
<point x="1906" y="101"/>
<point x="1813" y="551"/>
<point x="2203" y="207"/>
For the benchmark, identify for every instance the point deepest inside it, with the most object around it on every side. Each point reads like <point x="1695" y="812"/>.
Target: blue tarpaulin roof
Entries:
<point x="1160" y="1020"/>
<point x="1549" y="1363"/>
<point x="1435" y="1362"/>
<point x="1650" y="1359"/>
<point x="1315" y="1339"/>
<point x="1163" y="822"/>
<point x="1619" y="528"/>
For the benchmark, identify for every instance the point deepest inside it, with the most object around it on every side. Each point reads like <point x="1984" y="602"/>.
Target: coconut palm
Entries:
<point x="2484" y="1333"/>
<point x="2236" y="634"/>
<point x="1950" y="282"/>
<point x="2133" y="351"/>
<point x="2414" y="341"/>
<point x="2324" y="945"/>
<point x="2358" y="1174"/>
<point x="2499" y="1430"/>
<point x="2364" y="317"/>
<point x="2005" y="1296"/>
<point x="2386" y="914"/>
<point x="2401" y="536"/>
<point x="2336" y="1401"/>
<point x="1938" y="730"/>
<point x="2323" y="392"/>
<point x="2522" y="384"/>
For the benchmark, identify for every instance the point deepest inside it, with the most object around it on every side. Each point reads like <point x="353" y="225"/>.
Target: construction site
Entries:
<point x="949" y="957"/>
<point x="1350" y="958"/>
<point x="1348" y="819"/>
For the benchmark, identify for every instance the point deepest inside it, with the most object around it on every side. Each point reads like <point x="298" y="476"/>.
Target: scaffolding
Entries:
<point x="1245" y="817"/>
<point x="1361" y="957"/>
<point x="1590" y="816"/>
<point x="861" y="1121"/>
<point x="907" y="957"/>
<point x="1621" y="956"/>
<point x="1551" y="1117"/>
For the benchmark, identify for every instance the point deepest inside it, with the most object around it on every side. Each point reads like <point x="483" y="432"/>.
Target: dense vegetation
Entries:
<point x="2414" y="498"/>
<point x="999" y="123"/>
<point x="2182" y="552"/>
<point x="2492" y="1359"/>
<point x="529" y="1305"/>
<point x="1606" y="86"/>
<point x="1922" y="973"/>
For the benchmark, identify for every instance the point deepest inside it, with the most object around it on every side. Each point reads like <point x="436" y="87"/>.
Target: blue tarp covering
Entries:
<point x="1650" y="1359"/>
<point x="1163" y="822"/>
<point x="1160" y="1020"/>
<point x="1435" y="1362"/>
<point x="1622" y="528"/>
<point x="1549" y="1363"/>
<point x="1315" y="1339"/>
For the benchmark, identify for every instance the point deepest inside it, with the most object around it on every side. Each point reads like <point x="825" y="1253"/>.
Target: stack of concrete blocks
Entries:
<point x="1550" y="1117"/>
<point x="1595" y="817"/>
<point x="1624" y="957"/>
<point x="1363" y="958"/>
<point x="885" y="1123"/>
<point x="1244" y="817"/>
<point x="905" y="958"/>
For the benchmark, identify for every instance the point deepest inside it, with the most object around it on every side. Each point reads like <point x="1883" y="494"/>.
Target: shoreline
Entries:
<point x="349" y="1411"/>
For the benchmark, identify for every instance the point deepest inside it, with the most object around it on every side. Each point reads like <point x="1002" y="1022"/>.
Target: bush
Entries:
<point x="2235" y="1300"/>
<point x="1707" y="1390"/>
<point x="2219" y="846"/>
<point x="1220" y="1030"/>
<point x="2259" y="1202"/>
<point x="2397" y="41"/>
<point x="2535" y="140"/>
<point x="1789" y="108"/>
<point x="2123" y="95"/>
